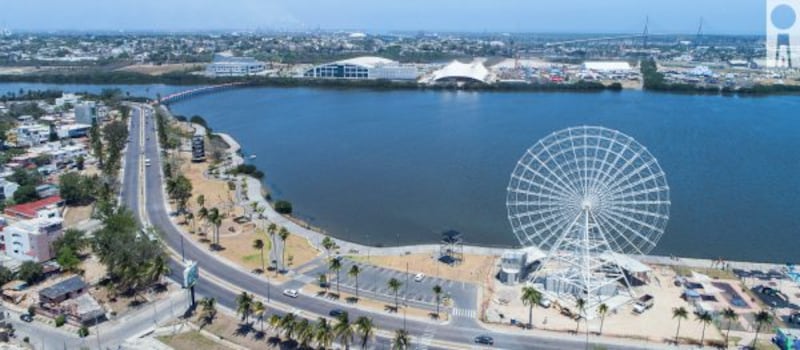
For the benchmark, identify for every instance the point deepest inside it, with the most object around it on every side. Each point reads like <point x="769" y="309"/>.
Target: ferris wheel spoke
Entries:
<point x="601" y="171"/>
<point x="636" y="172"/>
<point x="637" y="195"/>
<point x="555" y="189"/>
<point x="602" y="227"/>
<point x="620" y="218"/>
<point x="630" y="230"/>
<point x="563" y="178"/>
<point x="537" y="215"/>
<point x="630" y="210"/>
<point x="563" y="186"/>
<point x="642" y="181"/>
<point x="614" y="171"/>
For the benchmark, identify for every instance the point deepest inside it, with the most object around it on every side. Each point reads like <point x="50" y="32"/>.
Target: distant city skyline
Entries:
<point x="568" y="16"/>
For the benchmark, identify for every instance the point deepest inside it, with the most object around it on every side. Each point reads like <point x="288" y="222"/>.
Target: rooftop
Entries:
<point x="367" y="61"/>
<point x="29" y="210"/>
<point x="69" y="285"/>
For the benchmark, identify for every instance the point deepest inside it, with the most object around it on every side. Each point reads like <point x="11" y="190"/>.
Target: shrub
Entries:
<point x="60" y="320"/>
<point x="283" y="207"/>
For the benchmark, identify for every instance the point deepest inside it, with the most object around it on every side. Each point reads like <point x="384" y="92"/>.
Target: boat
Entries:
<point x="252" y="156"/>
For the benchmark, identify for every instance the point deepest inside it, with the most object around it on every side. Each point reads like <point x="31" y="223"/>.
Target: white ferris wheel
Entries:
<point x="584" y="196"/>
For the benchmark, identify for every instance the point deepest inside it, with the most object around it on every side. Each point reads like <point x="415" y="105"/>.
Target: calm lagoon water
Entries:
<point x="403" y="166"/>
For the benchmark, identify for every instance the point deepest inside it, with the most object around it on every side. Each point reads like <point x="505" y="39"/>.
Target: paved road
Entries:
<point x="423" y="333"/>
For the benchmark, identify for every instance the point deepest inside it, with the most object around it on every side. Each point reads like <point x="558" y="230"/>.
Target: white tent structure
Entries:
<point x="458" y="71"/>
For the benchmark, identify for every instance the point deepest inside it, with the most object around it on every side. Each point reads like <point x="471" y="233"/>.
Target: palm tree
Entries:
<point x="328" y="244"/>
<point x="190" y="217"/>
<point x="209" y="309"/>
<point x="395" y="285"/>
<point x="762" y="318"/>
<point x="530" y="298"/>
<point x="157" y="269"/>
<point x="366" y="329"/>
<point x="730" y="315"/>
<point x="288" y="323"/>
<point x="704" y="318"/>
<point x="580" y="304"/>
<point x="244" y="306"/>
<point x="258" y="310"/>
<point x="283" y="233"/>
<point x="215" y="219"/>
<point x="437" y="291"/>
<point x="354" y="271"/>
<point x="336" y="265"/>
<point x="305" y="333"/>
<point x="602" y="309"/>
<point x="401" y="340"/>
<point x="274" y="322"/>
<point x="344" y="330"/>
<point x="681" y="314"/>
<point x="259" y="244"/>
<point x="202" y="214"/>
<point x="253" y="209"/>
<point x="201" y="200"/>
<point x="324" y="333"/>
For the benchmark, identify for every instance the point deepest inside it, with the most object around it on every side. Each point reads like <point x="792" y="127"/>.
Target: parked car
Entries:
<point x="794" y="318"/>
<point x="419" y="277"/>
<point x="643" y="303"/>
<point x="292" y="293"/>
<point x="26" y="317"/>
<point x="545" y="302"/>
<point x="484" y="339"/>
<point x="336" y="313"/>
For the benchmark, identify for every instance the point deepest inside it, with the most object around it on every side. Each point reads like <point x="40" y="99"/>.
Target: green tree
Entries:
<point x="762" y="318"/>
<point x="283" y="207"/>
<point x="83" y="332"/>
<point x="25" y="194"/>
<point x="179" y="189"/>
<point x="288" y="323"/>
<point x="679" y="313"/>
<point x="30" y="272"/>
<point x="324" y="334"/>
<point x="366" y="330"/>
<point x="344" y="330"/>
<point x="530" y="298"/>
<point x="244" y="306"/>
<point x="283" y="233"/>
<point x="67" y="259"/>
<point x="437" y="292"/>
<point x="79" y="162"/>
<point x="328" y="244"/>
<point x="208" y="310"/>
<point x="305" y="333"/>
<point x="580" y="304"/>
<point x="157" y="268"/>
<point x="73" y="239"/>
<point x="602" y="309"/>
<point x="401" y="340"/>
<point x="6" y="275"/>
<point x="258" y="310"/>
<point x="354" y="272"/>
<point x="395" y="285"/>
<point x="259" y="245"/>
<point x="704" y="318"/>
<point x="336" y="266"/>
<point x="77" y="189"/>
<point x="730" y="315"/>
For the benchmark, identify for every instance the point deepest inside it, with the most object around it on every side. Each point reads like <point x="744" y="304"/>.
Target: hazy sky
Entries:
<point x="619" y="16"/>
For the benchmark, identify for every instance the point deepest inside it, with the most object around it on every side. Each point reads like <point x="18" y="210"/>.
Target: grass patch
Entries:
<point x="253" y="257"/>
<point x="190" y="341"/>
<point x="686" y="271"/>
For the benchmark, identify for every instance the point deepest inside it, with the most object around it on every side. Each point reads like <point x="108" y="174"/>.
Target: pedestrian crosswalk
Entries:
<point x="470" y="313"/>
<point x="426" y="339"/>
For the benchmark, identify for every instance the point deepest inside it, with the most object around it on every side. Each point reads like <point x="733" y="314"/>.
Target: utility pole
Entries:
<point x="699" y="36"/>
<point x="646" y="31"/>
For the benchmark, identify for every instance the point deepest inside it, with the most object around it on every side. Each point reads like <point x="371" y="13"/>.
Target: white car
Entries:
<point x="292" y="293"/>
<point x="419" y="277"/>
<point x="545" y="302"/>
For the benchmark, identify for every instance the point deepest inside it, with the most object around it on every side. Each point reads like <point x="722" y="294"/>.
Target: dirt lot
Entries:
<point x="161" y="69"/>
<point x="190" y="341"/>
<point x="77" y="214"/>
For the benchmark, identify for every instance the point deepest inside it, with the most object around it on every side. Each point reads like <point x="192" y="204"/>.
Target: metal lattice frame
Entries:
<point x="581" y="194"/>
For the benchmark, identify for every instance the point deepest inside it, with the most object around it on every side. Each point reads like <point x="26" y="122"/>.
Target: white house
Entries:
<point x="30" y="135"/>
<point x="31" y="239"/>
